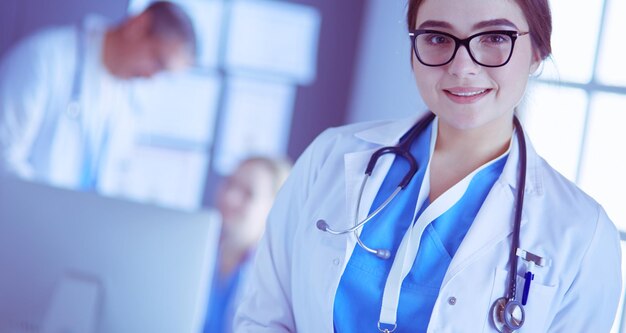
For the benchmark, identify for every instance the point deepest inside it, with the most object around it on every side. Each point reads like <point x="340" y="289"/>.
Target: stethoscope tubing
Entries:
<point x="73" y="109"/>
<point x="519" y="204"/>
<point x="322" y="225"/>
<point x="505" y="323"/>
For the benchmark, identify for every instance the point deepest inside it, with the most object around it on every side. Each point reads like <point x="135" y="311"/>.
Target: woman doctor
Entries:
<point x="484" y="237"/>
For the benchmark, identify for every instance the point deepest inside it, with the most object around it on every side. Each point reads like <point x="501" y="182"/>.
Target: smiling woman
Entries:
<point x="467" y="229"/>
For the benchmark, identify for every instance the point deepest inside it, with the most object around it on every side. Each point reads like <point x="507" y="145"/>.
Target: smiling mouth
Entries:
<point x="467" y="93"/>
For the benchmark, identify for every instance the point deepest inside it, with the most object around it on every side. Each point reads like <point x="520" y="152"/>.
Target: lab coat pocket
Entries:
<point x="539" y="301"/>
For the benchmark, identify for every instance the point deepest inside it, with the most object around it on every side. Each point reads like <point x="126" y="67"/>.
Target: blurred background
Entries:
<point x="329" y="63"/>
<point x="271" y="75"/>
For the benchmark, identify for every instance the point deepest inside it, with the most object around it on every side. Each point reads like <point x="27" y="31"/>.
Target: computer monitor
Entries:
<point x="79" y="262"/>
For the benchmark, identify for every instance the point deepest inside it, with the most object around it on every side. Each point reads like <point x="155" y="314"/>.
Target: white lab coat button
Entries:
<point x="336" y="261"/>
<point x="452" y="300"/>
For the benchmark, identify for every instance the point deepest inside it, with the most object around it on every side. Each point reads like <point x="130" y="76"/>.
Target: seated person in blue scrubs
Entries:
<point x="244" y="200"/>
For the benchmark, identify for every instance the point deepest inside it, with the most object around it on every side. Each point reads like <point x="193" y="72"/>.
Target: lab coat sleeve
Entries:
<point x="24" y="86"/>
<point x="267" y="303"/>
<point x="590" y="302"/>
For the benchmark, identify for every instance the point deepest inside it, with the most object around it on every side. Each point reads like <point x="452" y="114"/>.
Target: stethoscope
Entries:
<point x="73" y="109"/>
<point x="507" y="313"/>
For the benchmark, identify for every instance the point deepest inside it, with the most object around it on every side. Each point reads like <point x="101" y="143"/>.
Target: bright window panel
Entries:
<point x="256" y="121"/>
<point x="206" y="16"/>
<point x="604" y="157"/>
<point x="178" y="106"/>
<point x="611" y="69"/>
<point x="274" y="37"/>
<point x="554" y="119"/>
<point x="162" y="176"/>
<point x="573" y="42"/>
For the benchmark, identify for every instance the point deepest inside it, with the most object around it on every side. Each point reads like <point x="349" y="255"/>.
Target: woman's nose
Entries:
<point x="462" y="64"/>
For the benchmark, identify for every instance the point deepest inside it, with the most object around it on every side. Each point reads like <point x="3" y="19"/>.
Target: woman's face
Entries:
<point x="244" y="200"/>
<point x="463" y="94"/>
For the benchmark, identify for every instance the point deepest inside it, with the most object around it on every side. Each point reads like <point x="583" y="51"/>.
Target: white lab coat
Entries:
<point x="298" y="267"/>
<point x="39" y="140"/>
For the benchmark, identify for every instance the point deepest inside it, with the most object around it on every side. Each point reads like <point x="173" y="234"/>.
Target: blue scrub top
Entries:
<point x="222" y="296"/>
<point x="359" y="295"/>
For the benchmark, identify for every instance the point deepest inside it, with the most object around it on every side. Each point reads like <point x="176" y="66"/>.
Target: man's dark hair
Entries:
<point x="169" y="20"/>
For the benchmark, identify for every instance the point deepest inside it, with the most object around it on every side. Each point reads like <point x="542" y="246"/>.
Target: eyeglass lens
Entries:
<point x="493" y="49"/>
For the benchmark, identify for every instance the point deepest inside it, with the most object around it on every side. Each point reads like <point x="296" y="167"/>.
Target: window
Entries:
<point x="577" y="108"/>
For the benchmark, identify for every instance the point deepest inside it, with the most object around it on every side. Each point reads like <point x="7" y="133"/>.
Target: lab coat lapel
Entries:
<point x="356" y="162"/>
<point x="494" y="221"/>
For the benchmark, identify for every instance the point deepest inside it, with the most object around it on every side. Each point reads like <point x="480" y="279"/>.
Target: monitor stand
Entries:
<point x="74" y="305"/>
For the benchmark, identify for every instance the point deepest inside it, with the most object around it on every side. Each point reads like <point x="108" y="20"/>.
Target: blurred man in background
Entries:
<point x="65" y="104"/>
<point x="243" y="200"/>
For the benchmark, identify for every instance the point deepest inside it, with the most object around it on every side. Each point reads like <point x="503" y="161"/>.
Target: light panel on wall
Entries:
<point x="178" y="106"/>
<point x="256" y="120"/>
<point x="162" y="176"/>
<point x="273" y="37"/>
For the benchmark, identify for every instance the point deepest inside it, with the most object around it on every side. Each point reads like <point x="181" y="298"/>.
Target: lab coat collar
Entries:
<point x="510" y="171"/>
<point x="499" y="204"/>
<point x="388" y="134"/>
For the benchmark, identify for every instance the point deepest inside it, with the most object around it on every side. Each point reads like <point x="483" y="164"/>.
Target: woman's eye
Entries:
<point x="495" y="39"/>
<point x="438" y="39"/>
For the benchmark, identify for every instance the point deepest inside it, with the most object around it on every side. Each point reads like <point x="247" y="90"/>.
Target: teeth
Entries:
<point x="468" y="94"/>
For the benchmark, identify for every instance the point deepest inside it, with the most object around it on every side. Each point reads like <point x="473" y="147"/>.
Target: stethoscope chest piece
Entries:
<point x="508" y="315"/>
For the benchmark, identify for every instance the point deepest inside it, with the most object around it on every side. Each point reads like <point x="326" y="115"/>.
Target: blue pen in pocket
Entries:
<point x="529" y="276"/>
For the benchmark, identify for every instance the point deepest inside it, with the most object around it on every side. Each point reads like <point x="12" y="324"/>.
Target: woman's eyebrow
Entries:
<point x="494" y="23"/>
<point x="479" y="25"/>
<point x="435" y="24"/>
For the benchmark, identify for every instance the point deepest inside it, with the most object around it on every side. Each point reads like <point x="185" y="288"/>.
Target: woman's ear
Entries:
<point x="534" y="65"/>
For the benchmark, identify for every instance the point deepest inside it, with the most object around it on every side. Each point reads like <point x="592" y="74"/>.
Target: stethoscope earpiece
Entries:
<point x="380" y="253"/>
<point x="383" y="254"/>
<point x="321" y="225"/>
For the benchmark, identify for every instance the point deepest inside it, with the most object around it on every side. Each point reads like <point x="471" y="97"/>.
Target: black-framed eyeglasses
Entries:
<point x="488" y="48"/>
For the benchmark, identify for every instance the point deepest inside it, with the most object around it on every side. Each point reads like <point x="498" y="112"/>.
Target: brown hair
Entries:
<point x="278" y="167"/>
<point x="169" y="20"/>
<point x="536" y="12"/>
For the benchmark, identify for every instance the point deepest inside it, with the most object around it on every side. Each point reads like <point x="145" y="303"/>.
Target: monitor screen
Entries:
<point x="79" y="262"/>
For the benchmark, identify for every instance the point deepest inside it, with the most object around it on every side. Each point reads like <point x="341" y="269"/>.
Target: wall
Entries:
<point x="384" y="86"/>
<point x="19" y="18"/>
<point x="326" y="102"/>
